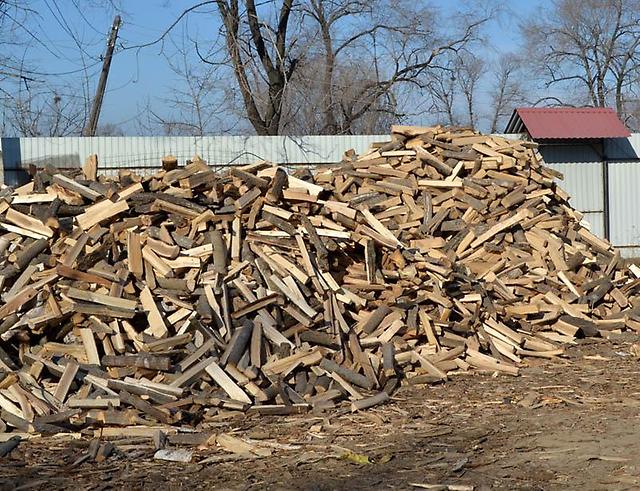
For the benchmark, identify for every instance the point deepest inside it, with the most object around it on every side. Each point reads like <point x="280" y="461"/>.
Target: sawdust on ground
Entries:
<point x="570" y="423"/>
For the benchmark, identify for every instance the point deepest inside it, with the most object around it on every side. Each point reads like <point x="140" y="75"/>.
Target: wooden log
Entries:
<point x="141" y="360"/>
<point x="347" y="374"/>
<point x="499" y="227"/>
<point x="107" y="210"/>
<point x="64" y="384"/>
<point x="238" y="344"/>
<point x="192" y="372"/>
<point x="104" y="403"/>
<point x="158" y="414"/>
<point x="102" y="299"/>
<point x="219" y="249"/>
<point x="258" y="304"/>
<point x="27" y="222"/>
<point x="155" y="319"/>
<point x="249" y="178"/>
<point x="375" y="318"/>
<point x="27" y="254"/>
<point x="368" y="402"/>
<point x="90" y="168"/>
<point x="71" y="273"/>
<point x="89" y="342"/>
<point x="17" y="302"/>
<point x="134" y="250"/>
<point x="8" y="446"/>
<point x="278" y="183"/>
<point x="226" y="383"/>
<point x="76" y="187"/>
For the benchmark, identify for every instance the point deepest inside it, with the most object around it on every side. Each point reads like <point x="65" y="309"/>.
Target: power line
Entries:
<point x="20" y="70"/>
<point x="30" y="34"/>
<point x="62" y="22"/>
<point x="84" y="18"/>
<point x="173" y="24"/>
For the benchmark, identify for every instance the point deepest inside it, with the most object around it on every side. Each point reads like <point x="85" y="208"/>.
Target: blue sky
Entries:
<point x="138" y="76"/>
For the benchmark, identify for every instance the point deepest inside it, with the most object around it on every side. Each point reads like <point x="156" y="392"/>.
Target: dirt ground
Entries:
<point x="571" y="423"/>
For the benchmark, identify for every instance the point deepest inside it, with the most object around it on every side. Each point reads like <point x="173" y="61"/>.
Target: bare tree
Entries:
<point x="306" y="106"/>
<point x="15" y="34"/>
<point x="591" y="46"/>
<point x="254" y="43"/>
<point x="401" y="47"/>
<point x="45" y="113"/>
<point x="443" y="93"/>
<point x="199" y="98"/>
<point x="35" y="100"/>
<point x="508" y="89"/>
<point x="468" y="71"/>
<point x="278" y="49"/>
<point x="110" y="129"/>
<point x="453" y="89"/>
<point x="341" y="82"/>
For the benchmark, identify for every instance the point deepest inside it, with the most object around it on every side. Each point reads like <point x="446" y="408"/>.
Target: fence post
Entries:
<point x="605" y="197"/>
<point x="1" y="162"/>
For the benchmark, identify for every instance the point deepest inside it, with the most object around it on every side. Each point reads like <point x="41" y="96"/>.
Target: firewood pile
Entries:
<point x="171" y="298"/>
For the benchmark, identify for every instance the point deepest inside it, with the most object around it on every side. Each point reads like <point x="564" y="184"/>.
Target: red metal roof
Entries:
<point x="567" y="122"/>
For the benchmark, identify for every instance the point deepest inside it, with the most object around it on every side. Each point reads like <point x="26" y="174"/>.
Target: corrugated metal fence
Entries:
<point x="144" y="153"/>
<point x="603" y="179"/>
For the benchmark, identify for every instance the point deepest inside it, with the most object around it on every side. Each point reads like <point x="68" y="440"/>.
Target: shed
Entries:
<point x="592" y="147"/>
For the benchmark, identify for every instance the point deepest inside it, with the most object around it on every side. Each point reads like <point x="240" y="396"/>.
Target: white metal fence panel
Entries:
<point x="144" y="153"/>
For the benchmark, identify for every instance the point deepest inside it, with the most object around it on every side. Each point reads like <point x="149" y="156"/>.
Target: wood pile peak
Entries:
<point x="169" y="299"/>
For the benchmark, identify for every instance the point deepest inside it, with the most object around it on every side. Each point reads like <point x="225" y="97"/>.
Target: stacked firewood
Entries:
<point x="169" y="298"/>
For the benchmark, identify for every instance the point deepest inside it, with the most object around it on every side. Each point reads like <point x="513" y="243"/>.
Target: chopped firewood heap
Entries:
<point x="171" y="298"/>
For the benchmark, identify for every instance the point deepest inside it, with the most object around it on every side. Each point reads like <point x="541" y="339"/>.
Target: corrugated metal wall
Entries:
<point x="582" y="170"/>
<point x="583" y="181"/>
<point x="141" y="153"/>
<point x="624" y="203"/>
<point x="623" y="164"/>
<point x="584" y="166"/>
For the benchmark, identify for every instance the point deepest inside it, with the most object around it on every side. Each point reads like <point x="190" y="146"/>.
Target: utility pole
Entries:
<point x="92" y="124"/>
